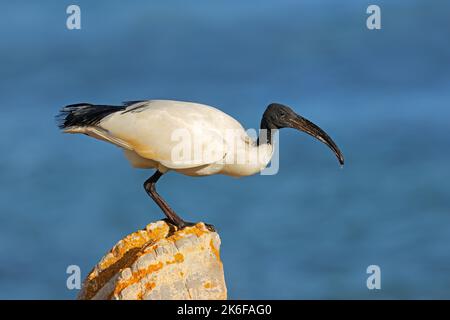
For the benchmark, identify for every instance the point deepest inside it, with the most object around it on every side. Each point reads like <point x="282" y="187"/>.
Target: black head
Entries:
<point x="278" y="116"/>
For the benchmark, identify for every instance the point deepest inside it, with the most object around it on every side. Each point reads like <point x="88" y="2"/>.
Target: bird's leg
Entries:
<point x="149" y="186"/>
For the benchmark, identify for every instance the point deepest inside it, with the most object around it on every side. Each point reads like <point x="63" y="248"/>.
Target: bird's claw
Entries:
<point x="208" y="226"/>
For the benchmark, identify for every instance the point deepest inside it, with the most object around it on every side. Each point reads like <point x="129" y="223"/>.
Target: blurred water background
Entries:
<point x="308" y="232"/>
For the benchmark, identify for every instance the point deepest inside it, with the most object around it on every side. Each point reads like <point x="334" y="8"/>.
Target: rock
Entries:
<point x="160" y="262"/>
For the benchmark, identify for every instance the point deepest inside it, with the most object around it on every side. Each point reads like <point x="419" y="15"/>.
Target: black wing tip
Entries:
<point x="66" y="112"/>
<point x="84" y="114"/>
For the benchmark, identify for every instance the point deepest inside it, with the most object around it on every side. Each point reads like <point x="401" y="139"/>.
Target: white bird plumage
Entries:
<point x="145" y="130"/>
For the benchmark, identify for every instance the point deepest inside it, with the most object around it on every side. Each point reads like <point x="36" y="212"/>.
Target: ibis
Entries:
<point x="164" y="135"/>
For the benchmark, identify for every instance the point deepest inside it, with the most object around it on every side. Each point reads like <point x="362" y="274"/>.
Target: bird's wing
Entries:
<point x="176" y="134"/>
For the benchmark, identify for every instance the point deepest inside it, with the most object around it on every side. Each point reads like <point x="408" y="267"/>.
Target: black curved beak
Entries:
<point x="302" y="124"/>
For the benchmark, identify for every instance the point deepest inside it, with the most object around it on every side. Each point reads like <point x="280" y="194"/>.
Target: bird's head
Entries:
<point x="278" y="116"/>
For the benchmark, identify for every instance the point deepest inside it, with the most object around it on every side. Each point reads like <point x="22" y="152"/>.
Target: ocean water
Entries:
<point x="309" y="231"/>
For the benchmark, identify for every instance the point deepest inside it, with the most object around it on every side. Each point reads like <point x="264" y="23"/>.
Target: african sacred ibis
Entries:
<point x="145" y="131"/>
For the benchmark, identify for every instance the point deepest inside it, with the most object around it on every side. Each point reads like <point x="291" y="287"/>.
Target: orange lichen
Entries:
<point x="177" y="258"/>
<point x="135" y="240"/>
<point x="214" y="249"/>
<point x="159" y="232"/>
<point x="149" y="286"/>
<point x="207" y="285"/>
<point x="198" y="230"/>
<point x="150" y="248"/>
<point x="137" y="276"/>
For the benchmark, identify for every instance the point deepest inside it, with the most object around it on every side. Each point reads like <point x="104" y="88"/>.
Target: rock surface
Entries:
<point x="160" y="262"/>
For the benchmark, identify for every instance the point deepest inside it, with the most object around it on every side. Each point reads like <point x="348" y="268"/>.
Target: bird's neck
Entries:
<point x="265" y="142"/>
<point x="265" y="132"/>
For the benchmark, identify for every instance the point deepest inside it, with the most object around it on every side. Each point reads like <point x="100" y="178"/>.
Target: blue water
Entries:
<point x="308" y="232"/>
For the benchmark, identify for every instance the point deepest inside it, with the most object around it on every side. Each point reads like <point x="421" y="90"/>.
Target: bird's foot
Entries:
<point x="185" y="224"/>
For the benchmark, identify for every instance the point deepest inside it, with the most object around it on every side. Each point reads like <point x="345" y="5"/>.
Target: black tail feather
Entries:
<point x="84" y="114"/>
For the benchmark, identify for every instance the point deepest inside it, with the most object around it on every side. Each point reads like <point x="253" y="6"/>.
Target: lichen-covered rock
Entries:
<point x="160" y="262"/>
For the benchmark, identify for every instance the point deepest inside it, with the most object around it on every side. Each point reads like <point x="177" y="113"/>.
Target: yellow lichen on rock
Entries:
<point x="160" y="262"/>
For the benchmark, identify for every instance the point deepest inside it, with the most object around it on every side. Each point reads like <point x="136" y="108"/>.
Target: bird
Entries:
<point x="150" y="134"/>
